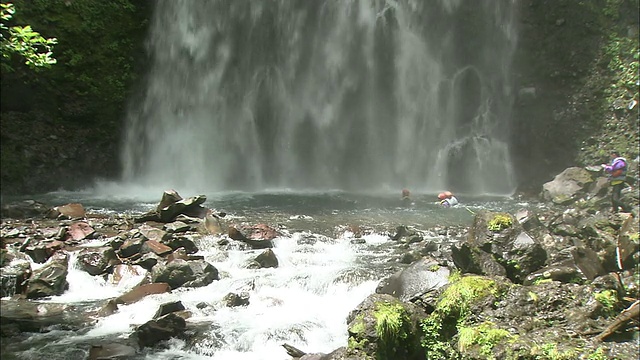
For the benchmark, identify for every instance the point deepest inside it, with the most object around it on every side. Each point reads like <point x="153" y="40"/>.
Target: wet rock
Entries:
<point x="79" y="231"/>
<point x="267" y="259"/>
<point x="562" y="273"/>
<point x="155" y="247"/>
<point x="212" y="224"/>
<point x="152" y="233"/>
<point x="97" y="261"/>
<point x="185" y="242"/>
<point x="139" y="292"/>
<point x="124" y="272"/>
<point x="235" y="234"/>
<point x="588" y="262"/>
<point x="567" y="186"/>
<point x="233" y="299"/>
<point x="131" y="246"/>
<point x="24" y="209"/>
<point x="164" y="328"/>
<point x="491" y="251"/>
<point x="38" y="253"/>
<point x="148" y="260"/>
<point x="111" y="351"/>
<point x="167" y="308"/>
<point x="177" y="227"/>
<point x="420" y="277"/>
<point x="35" y="316"/>
<point x="68" y="211"/>
<point x="51" y="279"/>
<point x="403" y="232"/>
<point x="15" y="273"/>
<point x="362" y="324"/>
<point x="185" y="273"/>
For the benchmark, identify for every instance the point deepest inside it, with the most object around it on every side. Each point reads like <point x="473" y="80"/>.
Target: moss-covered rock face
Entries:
<point x="61" y="126"/>
<point x="452" y="310"/>
<point x="499" y="222"/>
<point x="382" y="327"/>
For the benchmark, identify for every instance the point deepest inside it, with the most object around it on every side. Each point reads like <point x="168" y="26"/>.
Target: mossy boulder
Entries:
<point x="382" y="327"/>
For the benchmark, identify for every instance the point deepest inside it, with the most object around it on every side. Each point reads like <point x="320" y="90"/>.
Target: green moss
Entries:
<point x="358" y="325"/>
<point x="392" y="322"/>
<point x="609" y="301"/>
<point x="451" y="312"/>
<point x="598" y="354"/>
<point x="434" y="268"/>
<point x="354" y="344"/>
<point x="550" y="351"/>
<point x="500" y="222"/>
<point x="486" y="336"/>
<point x="458" y="297"/>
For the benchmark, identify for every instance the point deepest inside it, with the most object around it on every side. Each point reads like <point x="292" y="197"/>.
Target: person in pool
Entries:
<point x="447" y="199"/>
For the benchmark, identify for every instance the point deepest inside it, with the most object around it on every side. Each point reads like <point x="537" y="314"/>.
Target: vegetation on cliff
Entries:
<point x="60" y="123"/>
<point x="36" y="50"/>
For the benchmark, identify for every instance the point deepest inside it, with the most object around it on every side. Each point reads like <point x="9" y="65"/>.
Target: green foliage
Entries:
<point x="458" y="297"/>
<point x="598" y="354"/>
<point x="435" y="345"/>
<point x="500" y="222"/>
<point x="609" y="301"/>
<point x="36" y="50"/>
<point x="98" y="45"/>
<point x="550" y="351"/>
<point x="623" y="56"/>
<point x="451" y="312"/>
<point x="392" y="321"/>
<point x="485" y="335"/>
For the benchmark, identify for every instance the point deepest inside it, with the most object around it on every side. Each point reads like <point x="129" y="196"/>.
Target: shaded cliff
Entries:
<point x="60" y="127"/>
<point x="577" y="72"/>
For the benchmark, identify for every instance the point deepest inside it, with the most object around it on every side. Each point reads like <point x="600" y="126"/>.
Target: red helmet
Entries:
<point x="442" y="196"/>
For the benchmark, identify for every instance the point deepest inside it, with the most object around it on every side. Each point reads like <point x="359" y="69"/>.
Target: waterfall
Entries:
<point x="356" y="95"/>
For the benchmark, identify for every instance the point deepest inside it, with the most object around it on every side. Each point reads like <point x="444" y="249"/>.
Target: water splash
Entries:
<point x="351" y="95"/>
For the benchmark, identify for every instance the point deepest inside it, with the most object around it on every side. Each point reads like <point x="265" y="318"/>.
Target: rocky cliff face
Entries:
<point x="576" y="73"/>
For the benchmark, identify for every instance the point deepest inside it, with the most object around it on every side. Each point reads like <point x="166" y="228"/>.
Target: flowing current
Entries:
<point x="354" y="95"/>
<point x="334" y="250"/>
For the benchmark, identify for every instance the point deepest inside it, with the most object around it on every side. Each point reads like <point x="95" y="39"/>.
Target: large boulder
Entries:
<point x="420" y="277"/>
<point x="498" y="245"/>
<point x="180" y="272"/>
<point x="172" y="205"/>
<point x="383" y="327"/>
<point x="164" y="328"/>
<point x="51" y="279"/>
<point x="97" y="261"/>
<point x="24" y="209"/>
<point x="568" y="186"/>
<point x="16" y="270"/>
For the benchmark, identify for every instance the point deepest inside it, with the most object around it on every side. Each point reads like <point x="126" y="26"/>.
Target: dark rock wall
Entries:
<point x="60" y="127"/>
<point x="566" y="54"/>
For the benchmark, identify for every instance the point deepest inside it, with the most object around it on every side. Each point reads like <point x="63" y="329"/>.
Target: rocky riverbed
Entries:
<point x="559" y="283"/>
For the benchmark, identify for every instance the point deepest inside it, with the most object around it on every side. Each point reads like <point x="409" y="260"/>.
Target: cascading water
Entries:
<point x="350" y="95"/>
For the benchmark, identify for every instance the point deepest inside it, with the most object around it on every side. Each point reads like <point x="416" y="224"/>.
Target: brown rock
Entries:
<point x="79" y="231"/>
<point x="72" y="211"/>
<point x="235" y="234"/>
<point x="141" y="291"/>
<point x="155" y="247"/>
